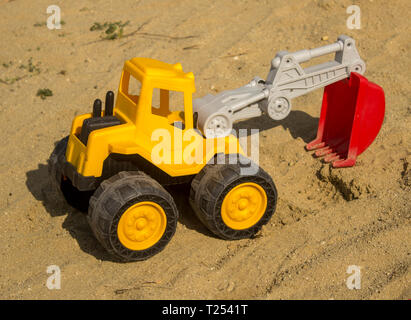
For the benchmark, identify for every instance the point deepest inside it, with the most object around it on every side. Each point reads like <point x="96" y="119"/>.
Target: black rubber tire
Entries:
<point x="77" y="199"/>
<point x="113" y="197"/>
<point x="211" y="185"/>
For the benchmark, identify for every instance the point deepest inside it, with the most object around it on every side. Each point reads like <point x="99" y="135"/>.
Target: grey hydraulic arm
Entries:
<point x="285" y="81"/>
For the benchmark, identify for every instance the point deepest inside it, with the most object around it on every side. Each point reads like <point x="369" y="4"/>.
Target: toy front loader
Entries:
<point x="113" y="157"/>
<point x="121" y="159"/>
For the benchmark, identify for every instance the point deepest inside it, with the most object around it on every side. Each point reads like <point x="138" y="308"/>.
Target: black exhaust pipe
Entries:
<point x="97" y="122"/>
<point x="109" y="103"/>
<point x="97" y="108"/>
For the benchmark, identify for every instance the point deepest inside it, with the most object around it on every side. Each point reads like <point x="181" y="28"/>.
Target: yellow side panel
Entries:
<point x="78" y="122"/>
<point x="89" y="160"/>
<point x="178" y="157"/>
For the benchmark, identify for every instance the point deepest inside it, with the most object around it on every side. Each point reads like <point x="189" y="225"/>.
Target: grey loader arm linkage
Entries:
<point x="285" y="81"/>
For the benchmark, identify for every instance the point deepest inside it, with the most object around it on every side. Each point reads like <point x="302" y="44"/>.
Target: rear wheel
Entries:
<point x="231" y="204"/>
<point x="74" y="197"/>
<point x="132" y="216"/>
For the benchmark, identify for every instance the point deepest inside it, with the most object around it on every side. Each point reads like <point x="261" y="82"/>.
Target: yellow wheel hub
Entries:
<point x="142" y="225"/>
<point x="244" y="206"/>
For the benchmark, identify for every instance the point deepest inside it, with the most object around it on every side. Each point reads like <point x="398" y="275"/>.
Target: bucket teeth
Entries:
<point x="332" y="157"/>
<point x="344" y="163"/>
<point x="323" y="152"/>
<point x="316" y="144"/>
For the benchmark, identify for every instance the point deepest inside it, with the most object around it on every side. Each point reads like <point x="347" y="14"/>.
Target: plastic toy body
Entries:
<point x="111" y="158"/>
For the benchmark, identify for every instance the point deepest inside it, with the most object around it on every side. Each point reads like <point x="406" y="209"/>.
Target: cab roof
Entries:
<point x="163" y="75"/>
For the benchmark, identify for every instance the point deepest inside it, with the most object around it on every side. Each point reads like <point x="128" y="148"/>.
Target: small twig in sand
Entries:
<point x="148" y="284"/>
<point x="193" y="47"/>
<point x="159" y="36"/>
<point x="234" y="55"/>
<point x="140" y="27"/>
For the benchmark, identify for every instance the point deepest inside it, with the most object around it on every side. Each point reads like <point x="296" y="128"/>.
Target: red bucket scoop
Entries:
<point x="352" y="113"/>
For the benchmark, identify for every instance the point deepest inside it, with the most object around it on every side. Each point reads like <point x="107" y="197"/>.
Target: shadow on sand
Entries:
<point x="300" y="124"/>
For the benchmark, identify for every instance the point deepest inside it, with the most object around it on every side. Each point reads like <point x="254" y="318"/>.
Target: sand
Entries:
<point x="326" y="219"/>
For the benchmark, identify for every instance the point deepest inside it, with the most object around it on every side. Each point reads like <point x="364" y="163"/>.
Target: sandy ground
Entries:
<point x="326" y="219"/>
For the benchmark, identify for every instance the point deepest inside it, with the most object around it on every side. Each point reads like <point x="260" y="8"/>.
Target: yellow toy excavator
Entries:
<point x="119" y="159"/>
<point x="110" y="154"/>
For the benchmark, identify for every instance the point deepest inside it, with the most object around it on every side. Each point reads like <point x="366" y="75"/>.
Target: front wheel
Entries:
<point x="231" y="204"/>
<point x="132" y="216"/>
